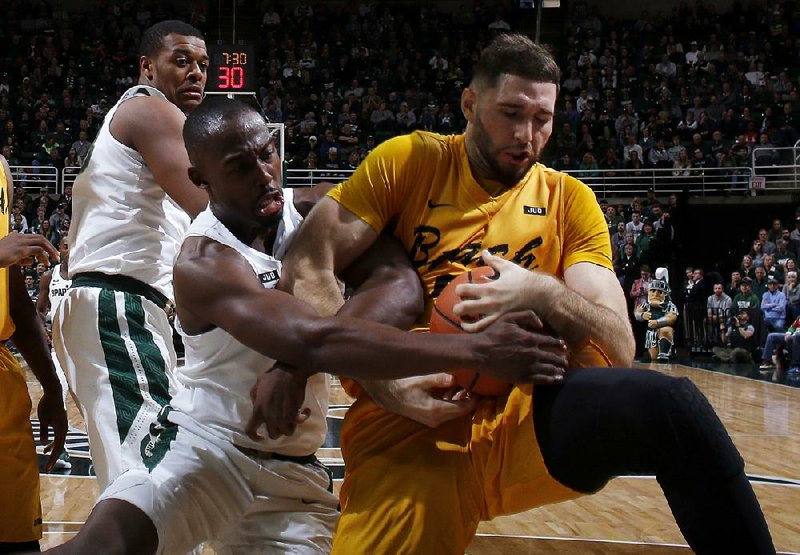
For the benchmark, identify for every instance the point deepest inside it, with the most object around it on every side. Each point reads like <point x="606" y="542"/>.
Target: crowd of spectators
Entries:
<point x="757" y="310"/>
<point x="686" y="89"/>
<point x="690" y="89"/>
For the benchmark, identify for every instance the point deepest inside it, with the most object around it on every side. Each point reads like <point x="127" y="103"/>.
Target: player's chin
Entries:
<point x="188" y="103"/>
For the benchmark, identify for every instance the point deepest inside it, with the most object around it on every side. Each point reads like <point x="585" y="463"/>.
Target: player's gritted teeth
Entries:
<point x="270" y="203"/>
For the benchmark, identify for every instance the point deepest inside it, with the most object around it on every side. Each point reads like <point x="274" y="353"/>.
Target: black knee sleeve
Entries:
<point x="694" y="439"/>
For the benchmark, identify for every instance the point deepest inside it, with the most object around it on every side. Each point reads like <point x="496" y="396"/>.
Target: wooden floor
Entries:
<point x="629" y="516"/>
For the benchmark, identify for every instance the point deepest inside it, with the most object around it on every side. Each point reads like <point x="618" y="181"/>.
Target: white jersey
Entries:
<point x="58" y="288"/>
<point x="220" y="371"/>
<point x="123" y="223"/>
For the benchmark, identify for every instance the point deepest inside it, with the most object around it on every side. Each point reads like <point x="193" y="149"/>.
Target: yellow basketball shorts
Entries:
<point x="20" y="508"/>
<point x="410" y="489"/>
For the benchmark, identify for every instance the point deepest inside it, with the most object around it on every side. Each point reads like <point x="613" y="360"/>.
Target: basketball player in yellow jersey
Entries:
<point x="20" y="510"/>
<point x="422" y="484"/>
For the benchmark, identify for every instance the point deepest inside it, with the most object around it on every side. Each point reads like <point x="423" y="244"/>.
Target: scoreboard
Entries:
<point x="232" y="68"/>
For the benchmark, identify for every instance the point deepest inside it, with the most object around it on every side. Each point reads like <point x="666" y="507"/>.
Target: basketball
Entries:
<point x="444" y="321"/>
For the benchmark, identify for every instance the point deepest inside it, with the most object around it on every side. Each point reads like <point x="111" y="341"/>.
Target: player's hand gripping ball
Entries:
<point x="444" y="321"/>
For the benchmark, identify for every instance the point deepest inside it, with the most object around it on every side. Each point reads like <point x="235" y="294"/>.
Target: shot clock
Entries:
<point x="232" y="69"/>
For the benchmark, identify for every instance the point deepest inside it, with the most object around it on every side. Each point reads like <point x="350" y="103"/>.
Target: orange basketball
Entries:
<point x="444" y="321"/>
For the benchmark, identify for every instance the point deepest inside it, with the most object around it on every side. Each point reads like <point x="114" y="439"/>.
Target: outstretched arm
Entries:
<point x="215" y="286"/>
<point x="31" y="340"/>
<point x="587" y="306"/>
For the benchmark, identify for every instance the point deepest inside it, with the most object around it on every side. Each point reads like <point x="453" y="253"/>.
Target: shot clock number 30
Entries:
<point x="232" y="68"/>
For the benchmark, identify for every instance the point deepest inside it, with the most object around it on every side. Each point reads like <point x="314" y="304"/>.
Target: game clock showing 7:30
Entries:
<point x="232" y="69"/>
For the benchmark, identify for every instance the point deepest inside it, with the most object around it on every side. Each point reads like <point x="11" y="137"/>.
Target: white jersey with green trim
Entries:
<point x="220" y="371"/>
<point x="123" y="222"/>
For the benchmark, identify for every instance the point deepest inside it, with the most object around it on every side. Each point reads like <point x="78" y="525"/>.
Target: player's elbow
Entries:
<point x="625" y="350"/>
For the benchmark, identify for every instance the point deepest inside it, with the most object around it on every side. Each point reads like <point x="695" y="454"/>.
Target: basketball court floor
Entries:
<point x="629" y="516"/>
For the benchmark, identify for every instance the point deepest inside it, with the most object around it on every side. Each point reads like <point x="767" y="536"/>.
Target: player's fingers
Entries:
<point x="527" y="319"/>
<point x="539" y="379"/>
<point x="444" y="411"/>
<point x="544" y="369"/>
<point x="495" y="262"/>
<point x="481" y="323"/>
<point x="437" y="381"/>
<point x="252" y="426"/>
<point x="470" y="304"/>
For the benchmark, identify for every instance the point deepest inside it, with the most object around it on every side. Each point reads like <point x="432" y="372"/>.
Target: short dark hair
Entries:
<point x="153" y="37"/>
<point x="515" y="54"/>
<point x="207" y="119"/>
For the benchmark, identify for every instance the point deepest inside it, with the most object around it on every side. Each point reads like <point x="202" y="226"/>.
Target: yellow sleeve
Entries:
<point x="376" y="189"/>
<point x="585" y="231"/>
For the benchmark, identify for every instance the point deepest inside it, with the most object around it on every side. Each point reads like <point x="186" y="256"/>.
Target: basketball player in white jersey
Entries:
<point x="212" y="476"/>
<point x="53" y="287"/>
<point x="132" y="204"/>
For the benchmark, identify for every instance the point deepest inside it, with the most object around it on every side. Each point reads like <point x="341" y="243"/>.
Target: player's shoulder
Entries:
<point x="565" y="181"/>
<point x="421" y="144"/>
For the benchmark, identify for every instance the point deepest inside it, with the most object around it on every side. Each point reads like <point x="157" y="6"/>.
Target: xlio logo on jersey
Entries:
<point x="268" y="277"/>
<point x="534" y="210"/>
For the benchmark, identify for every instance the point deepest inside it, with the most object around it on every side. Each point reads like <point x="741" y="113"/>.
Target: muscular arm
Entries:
<point x="154" y="128"/>
<point x="330" y="240"/>
<point x="222" y="290"/>
<point x="43" y="300"/>
<point x="587" y="306"/>
<point x="31" y="340"/>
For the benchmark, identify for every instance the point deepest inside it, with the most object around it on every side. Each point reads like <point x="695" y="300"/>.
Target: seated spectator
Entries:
<point x="760" y="281"/>
<point x="767" y="246"/>
<point x="739" y="340"/>
<point x="733" y="284"/>
<point x="72" y="163"/>
<point x="747" y="268"/>
<point x="566" y="164"/>
<point x="783" y="254"/>
<point x="588" y="167"/>
<point x="792" y="293"/>
<point x="775" y="231"/>
<point x="618" y="240"/>
<point x="406" y="119"/>
<point x="674" y="151"/>
<point x="636" y="224"/>
<point x="773" y="269"/>
<point x="792" y="345"/>
<point x="764" y="153"/>
<point x="773" y="306"/>
<point x="757" y="253"/>
<point x="774" y="343"/>
<point x="718" y="307"/>
<point x="682" y="166"/>
<point x="382" y="119"/>
<point x="658" y="157"/>
<point x="746" y="299"/>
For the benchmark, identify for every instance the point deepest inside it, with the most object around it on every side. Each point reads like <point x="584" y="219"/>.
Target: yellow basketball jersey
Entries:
<point x="6" y="325"/>
<point x="421" y="187"/>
